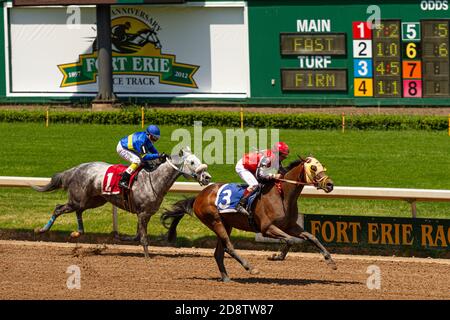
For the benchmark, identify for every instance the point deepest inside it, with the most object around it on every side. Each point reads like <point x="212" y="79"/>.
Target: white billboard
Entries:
<point x="180" y="50"/>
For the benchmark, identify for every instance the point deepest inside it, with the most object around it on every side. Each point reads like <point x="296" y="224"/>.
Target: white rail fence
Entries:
<point x="410" y="195"/>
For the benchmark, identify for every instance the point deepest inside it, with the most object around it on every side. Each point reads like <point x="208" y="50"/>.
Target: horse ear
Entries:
<point x="300" y="157"/>
<point x="180" y="154"/>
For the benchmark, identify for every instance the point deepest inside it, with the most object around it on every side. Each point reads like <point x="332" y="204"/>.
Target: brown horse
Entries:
<point x="275" y="213"/>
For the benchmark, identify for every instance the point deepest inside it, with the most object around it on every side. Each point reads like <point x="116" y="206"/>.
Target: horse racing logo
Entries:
<point x="125" y="41"/>
<point x="136" y="51"/>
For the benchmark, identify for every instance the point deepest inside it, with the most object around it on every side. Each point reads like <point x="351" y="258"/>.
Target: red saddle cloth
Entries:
<point x="112" y="177"/>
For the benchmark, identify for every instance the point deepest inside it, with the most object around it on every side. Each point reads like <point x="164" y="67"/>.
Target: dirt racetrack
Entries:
<point x="36" y="270"/>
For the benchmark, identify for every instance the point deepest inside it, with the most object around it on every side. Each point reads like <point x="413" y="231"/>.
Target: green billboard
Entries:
<point x="380" y="232"/>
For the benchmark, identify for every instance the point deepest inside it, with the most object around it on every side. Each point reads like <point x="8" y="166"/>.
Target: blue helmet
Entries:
<point x="154" y="131"/>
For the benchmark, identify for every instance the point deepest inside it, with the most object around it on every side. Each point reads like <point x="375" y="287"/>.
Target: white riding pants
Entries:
<point x="130" y="157"/>
<point x="246" y="175"/>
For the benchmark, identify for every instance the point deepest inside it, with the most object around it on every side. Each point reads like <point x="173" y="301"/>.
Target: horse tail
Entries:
<point x="171" y="218"/>
<point x="55" y="183"/>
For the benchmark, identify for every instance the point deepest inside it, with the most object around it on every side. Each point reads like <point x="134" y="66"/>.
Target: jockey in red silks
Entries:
<point x="255" y="166"/>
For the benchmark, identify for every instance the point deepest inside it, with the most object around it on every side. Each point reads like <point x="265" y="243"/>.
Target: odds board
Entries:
<point x="335" y="52"/>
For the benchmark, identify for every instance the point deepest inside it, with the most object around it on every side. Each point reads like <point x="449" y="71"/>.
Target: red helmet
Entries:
<point x="281" y="147"/>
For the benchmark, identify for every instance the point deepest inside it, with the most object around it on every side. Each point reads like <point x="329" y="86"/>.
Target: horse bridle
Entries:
<point x="309" y="180"/>
<point x="192" y="175"/>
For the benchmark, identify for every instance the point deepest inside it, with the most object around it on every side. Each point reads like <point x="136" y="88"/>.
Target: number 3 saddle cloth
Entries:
<point x="229" y="195"/>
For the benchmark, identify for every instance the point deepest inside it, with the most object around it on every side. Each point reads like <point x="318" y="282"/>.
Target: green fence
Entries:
<point x="380" y="232"/>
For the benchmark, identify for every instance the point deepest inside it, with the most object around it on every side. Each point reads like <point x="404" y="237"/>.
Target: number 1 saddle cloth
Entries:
<point x="112" y="177"/>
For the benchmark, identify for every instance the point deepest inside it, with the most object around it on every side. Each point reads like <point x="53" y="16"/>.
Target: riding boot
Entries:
<point x="243" y="203"/>
<point x="125" y="180"/>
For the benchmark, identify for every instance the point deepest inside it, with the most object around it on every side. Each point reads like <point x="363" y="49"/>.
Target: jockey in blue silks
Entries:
<point x="135" y="148"/>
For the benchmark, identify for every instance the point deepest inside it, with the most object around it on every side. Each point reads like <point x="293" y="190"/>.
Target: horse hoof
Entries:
<point x="275" y="257"/>
<point x="254" y="271"/>
<point x="331" y="264"/>
<point x="126" y="238"/>
<point x="75" y="234"/>
<point x="39" y="230"/>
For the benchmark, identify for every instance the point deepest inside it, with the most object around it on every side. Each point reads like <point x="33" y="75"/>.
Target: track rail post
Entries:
<point x="412" y="202"/>
<point x="115" y="220"/>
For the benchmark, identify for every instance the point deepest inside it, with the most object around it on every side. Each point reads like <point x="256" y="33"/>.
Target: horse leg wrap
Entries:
<point x="49" y="223"/>
<point x="80" y="224"/>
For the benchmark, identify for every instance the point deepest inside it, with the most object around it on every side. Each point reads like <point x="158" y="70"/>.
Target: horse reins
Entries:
<point x="176" y="168"/>
<point x="315" y="183"/>
<point x="295" y="182"/>
<point x="193" y="175"/>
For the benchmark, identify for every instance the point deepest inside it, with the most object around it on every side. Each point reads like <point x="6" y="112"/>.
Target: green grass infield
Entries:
<point x="389" y="159"/>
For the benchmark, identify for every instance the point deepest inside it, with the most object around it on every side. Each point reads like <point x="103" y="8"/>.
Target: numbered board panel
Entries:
<point x="390" y="59"/>
<point x="387" y="59"/>
<point x="401" y="59"/>
<point x="394" y="52"/>
<point x="435" y="58"/>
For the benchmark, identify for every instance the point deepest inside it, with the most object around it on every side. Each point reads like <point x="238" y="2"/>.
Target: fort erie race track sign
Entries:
<point x="137" y="50"/>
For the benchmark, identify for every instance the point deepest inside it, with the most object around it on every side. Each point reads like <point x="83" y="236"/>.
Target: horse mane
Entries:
<point x="295" y="163"/>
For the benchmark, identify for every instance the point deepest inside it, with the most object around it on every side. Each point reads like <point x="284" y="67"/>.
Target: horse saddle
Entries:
<point x="112" y="178"/>
<point x="230" y="194"/>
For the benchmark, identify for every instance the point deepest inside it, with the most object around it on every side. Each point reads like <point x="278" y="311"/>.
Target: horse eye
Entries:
<point x="313" y="168"/>
<point x="192" y="163"/>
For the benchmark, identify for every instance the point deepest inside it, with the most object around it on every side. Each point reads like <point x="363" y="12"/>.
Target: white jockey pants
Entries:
<point x="246" y="175"/>
<point x="130" y="157"/>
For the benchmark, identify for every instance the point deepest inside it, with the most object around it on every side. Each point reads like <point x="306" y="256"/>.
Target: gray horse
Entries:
<point x="84" y="186"/>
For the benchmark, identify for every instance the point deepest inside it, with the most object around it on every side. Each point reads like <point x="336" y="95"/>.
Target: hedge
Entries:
<point x="232" y="119"/>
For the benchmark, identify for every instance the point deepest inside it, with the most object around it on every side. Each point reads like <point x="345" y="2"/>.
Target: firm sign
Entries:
<point x="314" y="79"/>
